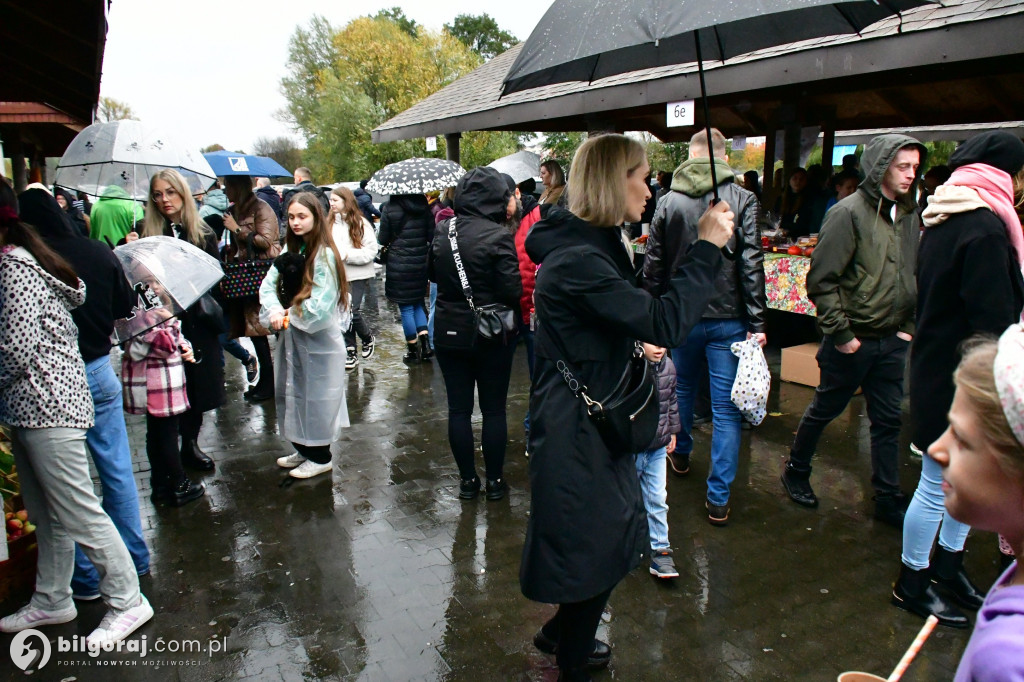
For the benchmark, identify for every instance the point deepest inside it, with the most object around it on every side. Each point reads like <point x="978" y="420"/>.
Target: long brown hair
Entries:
<point x="351" y="214"/>
<point x="18" y="233"/>
<point x="316" y="239"/>
<point x="154" y="221"/>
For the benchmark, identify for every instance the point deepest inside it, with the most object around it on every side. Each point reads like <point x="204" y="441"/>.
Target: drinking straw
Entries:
<point x="904" y="663"/>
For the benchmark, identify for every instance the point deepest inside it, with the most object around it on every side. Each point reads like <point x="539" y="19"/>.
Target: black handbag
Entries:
<point x="626" y="418"/>
<point x="490" y="321"/>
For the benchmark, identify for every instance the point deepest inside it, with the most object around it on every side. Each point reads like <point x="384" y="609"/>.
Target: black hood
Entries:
<point x="41" y="211"/>
<point x="482" y="192"/>
<point x="560" y="228"/>
<point x="996" y="148"/>
<point x="412" y="204"/>
<point x="528" y="201"/>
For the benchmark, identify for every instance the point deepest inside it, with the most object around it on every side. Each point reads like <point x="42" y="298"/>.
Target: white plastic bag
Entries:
<point x="753" y="381"/>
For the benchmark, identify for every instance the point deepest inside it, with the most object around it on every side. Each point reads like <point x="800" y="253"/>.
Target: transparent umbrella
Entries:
<point x="521" y="166"/>
<point x="126" y="154"/>
<point x="167" y="276"/>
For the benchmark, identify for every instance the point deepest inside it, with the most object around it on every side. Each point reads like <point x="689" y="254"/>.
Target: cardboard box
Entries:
<point x="799" y="365"/>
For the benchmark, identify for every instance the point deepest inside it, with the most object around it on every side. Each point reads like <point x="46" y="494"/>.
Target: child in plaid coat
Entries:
<point x="153" y="374"/>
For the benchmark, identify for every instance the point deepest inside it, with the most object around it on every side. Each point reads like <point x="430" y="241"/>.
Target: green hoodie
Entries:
<point x="114" y="215"/>
<point x="693" y="177"/>
<point x="862" y="271"/>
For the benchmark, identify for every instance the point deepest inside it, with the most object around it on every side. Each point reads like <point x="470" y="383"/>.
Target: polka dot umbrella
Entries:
<point x="415" y="176"/>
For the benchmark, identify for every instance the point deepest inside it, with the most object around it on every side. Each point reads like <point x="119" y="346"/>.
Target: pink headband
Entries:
<point x="1009" y="374"/>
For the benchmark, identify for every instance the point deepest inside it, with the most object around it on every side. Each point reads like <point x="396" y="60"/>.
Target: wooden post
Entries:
<point x="451" y="141"/>
<point x="767" y="185"/>
<point x="828" y="143"/>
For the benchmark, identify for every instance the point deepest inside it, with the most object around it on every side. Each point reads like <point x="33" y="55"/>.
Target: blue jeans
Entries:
<point x="712" y="338"/>
<point x="924" y="516"/>
<point x="650" y="467"/>
<point x="414" y="320"/>
<point x="233" y="347"/>
<point x="108" y="443"/>
<point x="430" y="312"/>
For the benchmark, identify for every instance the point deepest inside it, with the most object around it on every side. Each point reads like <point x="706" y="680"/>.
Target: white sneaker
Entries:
<point x="291" y="461"/>
<point x="309" y="469"/>
<point x="29" y="616"/>
<point x="117" y="625"/>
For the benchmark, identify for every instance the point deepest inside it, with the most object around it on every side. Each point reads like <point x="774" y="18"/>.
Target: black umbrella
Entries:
<point x="585" y="40"/>
<point x="415" y="176"/>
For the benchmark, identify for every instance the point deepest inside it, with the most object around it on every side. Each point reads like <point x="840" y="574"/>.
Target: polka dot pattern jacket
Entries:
<point x="42" y="375"/>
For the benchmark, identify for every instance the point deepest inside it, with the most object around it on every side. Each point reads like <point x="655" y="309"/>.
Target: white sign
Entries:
<point x="431" y="144"/>
<point x="679" y="114"/>
<point x="739" y="143"/>
<point x="238" y="164"/>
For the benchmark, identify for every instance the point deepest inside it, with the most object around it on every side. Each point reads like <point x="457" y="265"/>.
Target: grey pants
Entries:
<point x="54" y="474"/>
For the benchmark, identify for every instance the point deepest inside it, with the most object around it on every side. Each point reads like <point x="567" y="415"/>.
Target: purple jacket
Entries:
<point x="996" y="650"/>
<point x="668" y="405"/>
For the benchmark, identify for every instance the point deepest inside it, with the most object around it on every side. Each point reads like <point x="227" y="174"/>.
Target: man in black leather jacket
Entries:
<point x="734" y="314"/>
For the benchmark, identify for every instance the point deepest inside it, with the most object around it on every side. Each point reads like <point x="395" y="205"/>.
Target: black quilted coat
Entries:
<point x="406" y="229"/>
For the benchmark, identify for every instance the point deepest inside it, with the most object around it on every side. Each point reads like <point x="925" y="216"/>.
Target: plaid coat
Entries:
<point x="153" y="372"/>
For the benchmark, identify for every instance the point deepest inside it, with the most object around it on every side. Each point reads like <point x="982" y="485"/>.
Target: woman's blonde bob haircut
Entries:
<point x="597" y="178"/>
<point x="194" y="227"/>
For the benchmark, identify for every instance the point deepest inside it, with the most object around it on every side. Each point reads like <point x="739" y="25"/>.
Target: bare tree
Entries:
<point x="281" y="149"/>
<point x="111" y="109"/>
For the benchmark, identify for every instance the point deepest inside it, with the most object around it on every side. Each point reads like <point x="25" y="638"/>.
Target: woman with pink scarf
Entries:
<point x="968" y="282"/>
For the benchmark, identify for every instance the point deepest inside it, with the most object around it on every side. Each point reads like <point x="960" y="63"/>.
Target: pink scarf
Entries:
<point x="995" y="187"/>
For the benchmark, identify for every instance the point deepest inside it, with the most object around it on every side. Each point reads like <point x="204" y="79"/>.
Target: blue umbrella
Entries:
<point x="232" y="163"/>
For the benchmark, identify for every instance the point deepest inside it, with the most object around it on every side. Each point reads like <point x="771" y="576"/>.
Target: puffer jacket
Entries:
<point x="862" y="271"/>
<point x="740" y="284"/>
<point x="668" y="403"/>
<point x="42" y="374"/>
<point x="406" y="229"/>
<point x="527" y="268"/>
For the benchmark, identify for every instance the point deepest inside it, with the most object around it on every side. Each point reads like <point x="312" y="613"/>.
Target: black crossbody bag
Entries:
<point x="461" y="329"/>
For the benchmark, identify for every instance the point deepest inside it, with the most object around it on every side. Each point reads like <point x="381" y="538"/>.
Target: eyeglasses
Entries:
<point x="170" y="193"/>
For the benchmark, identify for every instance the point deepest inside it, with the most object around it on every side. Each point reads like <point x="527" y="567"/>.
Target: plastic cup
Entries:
<point x="859" y="677"/>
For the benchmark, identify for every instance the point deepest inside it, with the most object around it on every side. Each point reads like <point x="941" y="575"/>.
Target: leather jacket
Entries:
<point x="740" y="283"/>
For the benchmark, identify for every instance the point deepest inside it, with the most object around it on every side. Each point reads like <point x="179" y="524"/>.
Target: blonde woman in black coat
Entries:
<point x="587" y="526"/>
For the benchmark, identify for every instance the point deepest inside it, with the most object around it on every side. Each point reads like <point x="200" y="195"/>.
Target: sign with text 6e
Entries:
<point x="432" y="144"/>
<point x="678" y="114"/>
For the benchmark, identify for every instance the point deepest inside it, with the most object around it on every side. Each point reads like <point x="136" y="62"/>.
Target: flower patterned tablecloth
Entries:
<point x="785" y="282"/>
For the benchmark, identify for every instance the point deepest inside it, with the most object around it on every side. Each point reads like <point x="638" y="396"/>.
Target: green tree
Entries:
<point x="481" y="34"/>
<point x="311" y="58"/>
<point x="562" y="146"/>
<point x="397" y="16"/>
<point x="212" y="148"/>
<point x="111" y="109"/>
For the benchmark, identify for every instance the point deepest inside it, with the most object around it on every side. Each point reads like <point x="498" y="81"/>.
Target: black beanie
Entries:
<point x="995" y="148"/>
<point x="510" y="182"/>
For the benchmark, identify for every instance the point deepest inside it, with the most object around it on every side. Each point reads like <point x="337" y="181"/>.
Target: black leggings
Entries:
<point x="189" y="425"/>
<point x="262" y="347"/>
<point x="487" y="367"/>
<point x="573" y="627"/>
<point x="162" y="451"/>
<point x="321" y="454"/>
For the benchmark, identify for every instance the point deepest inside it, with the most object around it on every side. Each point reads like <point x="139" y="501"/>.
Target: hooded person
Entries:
<point x="862" y="282"/>
<point x="215" y="205"/>
<point x="487" y="254"/>
<point x="114" y="215"/>
<point x="109" y="297"/>
<point x="969" y="282"/>
<point x="66" y="201"/>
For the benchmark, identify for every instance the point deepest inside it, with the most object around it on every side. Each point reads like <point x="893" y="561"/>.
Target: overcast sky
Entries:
<point x="211" y="71"/>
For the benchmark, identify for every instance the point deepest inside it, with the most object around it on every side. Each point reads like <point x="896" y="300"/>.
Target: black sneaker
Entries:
<point x="469" y="488"/>
<point x="496" y="489"/>
<point x="662" y="565"/>
<point x="718" y="514"/>
<point x="252" y="370"/>
<point x="369" y="347"/>
<point x="351" y="359"/>
<point x="798" y="487"/>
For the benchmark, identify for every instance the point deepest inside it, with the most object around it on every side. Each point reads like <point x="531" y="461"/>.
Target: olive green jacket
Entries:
<point x="862" y="271"/>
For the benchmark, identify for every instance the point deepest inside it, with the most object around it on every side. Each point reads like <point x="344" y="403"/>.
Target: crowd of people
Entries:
<point x="485" y="265"/>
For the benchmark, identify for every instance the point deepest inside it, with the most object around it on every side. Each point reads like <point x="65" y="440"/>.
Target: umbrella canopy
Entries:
<point x="226" y="163"/>
<point x="521" y="165"/>
<point x="167" y="275"/>
<point x="585" y="40"/>
<point x="415" y="176"/>
<point x="126" y="154"/>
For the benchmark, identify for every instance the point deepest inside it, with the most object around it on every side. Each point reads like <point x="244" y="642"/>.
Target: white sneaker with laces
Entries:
<point x="291" y="461"/>
<point x="309" y="469"/>
<point x="117" y="625"/>
<point x="29" y="616"/>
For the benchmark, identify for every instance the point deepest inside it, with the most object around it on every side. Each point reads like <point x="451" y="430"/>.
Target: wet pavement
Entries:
<point x="380" y="573"/>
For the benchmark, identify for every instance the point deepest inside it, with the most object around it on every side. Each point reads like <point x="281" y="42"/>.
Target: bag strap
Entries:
<point x="576" y="385"/>
<point x="463" y="280"/>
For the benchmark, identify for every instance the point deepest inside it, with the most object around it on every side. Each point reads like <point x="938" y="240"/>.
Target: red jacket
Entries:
<point x="527" y="268"/>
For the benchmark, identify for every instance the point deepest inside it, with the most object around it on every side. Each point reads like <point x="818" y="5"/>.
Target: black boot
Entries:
<point x="414" y="353"/>
<point x="798" y="486"/>
<point x="948" y="574"/>
<point x="423" y="341"/>
<point x="597" y="659"/>
<point x="194" y="458"/>
<point x="890" y="508"/>
<point x="914" y="592"/>
<point x="185" y="492"/>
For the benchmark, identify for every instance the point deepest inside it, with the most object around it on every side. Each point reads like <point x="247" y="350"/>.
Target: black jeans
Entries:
<point x="162" y="451"/>
<point x="358" y="290"/>
<point x="321" y="454"/>
<point x="261" y="344"/>
<point x="878" y="368"/>
<point x="488" y="368"/>
<point x="574" y="626"/>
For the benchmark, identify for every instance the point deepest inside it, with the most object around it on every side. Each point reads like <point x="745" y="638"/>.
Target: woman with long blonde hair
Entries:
<point x="310" y="358"/>
<point x="356" y="241"/>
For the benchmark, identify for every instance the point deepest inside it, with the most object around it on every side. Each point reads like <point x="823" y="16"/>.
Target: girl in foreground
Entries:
<point x="982" y="460"/>
<point x="310" y="364"/>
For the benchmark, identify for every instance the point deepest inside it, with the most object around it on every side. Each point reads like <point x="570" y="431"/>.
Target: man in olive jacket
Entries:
<point x="862" y="282"/>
